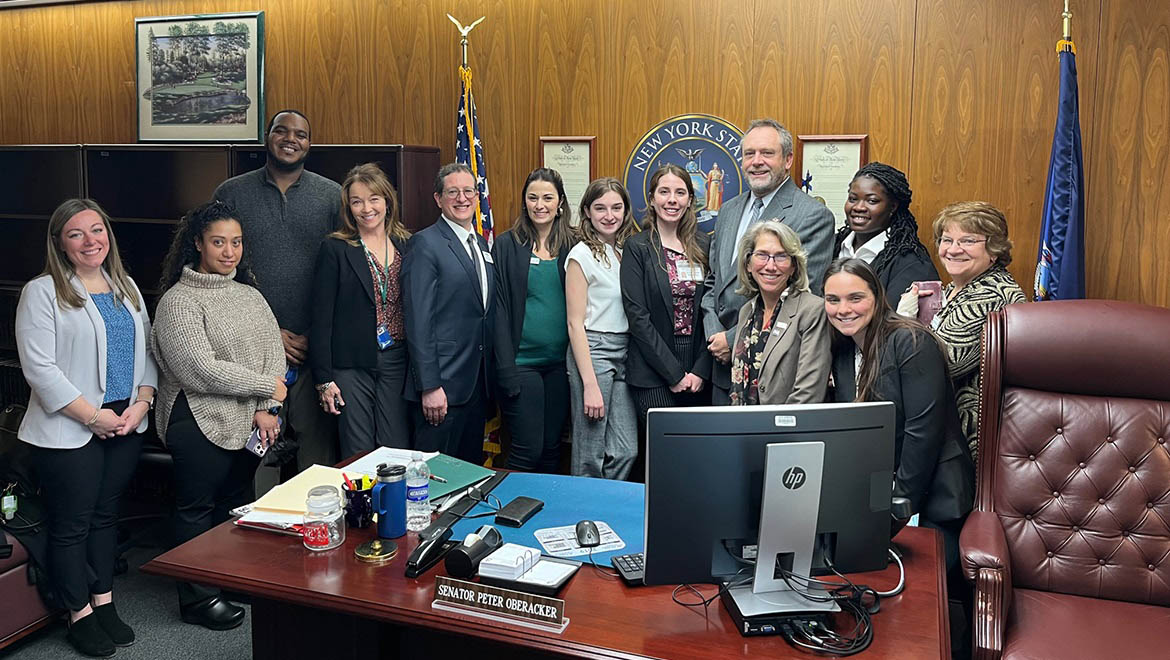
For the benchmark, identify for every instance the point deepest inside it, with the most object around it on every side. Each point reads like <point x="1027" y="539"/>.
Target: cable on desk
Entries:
<point x="601" y="570"/>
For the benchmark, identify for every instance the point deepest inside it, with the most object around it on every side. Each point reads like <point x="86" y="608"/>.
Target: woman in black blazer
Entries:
<point x="880" y="356"/>
<point x="357" y="346"/>
<point x="881" y="231"/>
<point x="532" y="335"/>
<point x="662" y="283"/>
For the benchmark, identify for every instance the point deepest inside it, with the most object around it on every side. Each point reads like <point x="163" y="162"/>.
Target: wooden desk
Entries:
<point x="329" y="605"/>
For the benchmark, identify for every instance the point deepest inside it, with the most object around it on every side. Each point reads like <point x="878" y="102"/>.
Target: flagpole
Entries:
<point x="1067" y="16"/>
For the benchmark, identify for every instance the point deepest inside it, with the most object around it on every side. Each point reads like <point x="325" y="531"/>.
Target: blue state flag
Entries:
<point x="1060" y="267"/>
<point x="469" y="151"/>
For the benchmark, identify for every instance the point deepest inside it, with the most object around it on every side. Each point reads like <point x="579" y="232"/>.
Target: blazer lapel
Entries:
<point x="461" y="256"/>
<point x="99" y="325"/>
<point x="356" y="257"/>
<point x="785" y="317"/>
<point x="661" y="277"/>
<point x="781" y="202"/>
<point x="489" y="271"/>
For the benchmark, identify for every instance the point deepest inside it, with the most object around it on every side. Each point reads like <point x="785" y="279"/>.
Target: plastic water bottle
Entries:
<point x="418" y="494"/>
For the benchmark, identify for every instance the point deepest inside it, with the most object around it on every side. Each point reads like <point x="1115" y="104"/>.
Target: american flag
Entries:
<point x="467" y="143"/>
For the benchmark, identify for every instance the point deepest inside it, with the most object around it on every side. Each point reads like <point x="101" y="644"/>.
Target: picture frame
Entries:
<point x="572" y="157"/>
<point x="826" y="164"/>
<point x="200" y="78"/>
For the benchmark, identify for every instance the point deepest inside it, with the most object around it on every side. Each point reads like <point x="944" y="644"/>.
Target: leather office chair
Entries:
<point x="1069" y="543"/>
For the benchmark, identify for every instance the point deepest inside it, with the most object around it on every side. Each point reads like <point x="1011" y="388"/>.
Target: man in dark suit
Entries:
<point x="449" y="292"/>
<point x="766" y="158"/>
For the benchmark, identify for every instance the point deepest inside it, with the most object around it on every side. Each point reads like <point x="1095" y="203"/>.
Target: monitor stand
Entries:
<point x="788" y="528"/>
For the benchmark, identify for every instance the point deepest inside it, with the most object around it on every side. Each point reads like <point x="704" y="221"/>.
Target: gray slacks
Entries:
<point x="375" y="414"/>
<point x="606" y="447"/>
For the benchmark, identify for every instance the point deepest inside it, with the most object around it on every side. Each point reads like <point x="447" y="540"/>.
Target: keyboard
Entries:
<point x="632" y="568"/>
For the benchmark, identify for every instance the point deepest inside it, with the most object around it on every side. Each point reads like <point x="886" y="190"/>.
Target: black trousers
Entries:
<point x="536" y="417"/>
<point x="460" y="434"/>
<point x="80" y="489"/>
<point x="375" y="414"/>
<point x="209" y="482"/>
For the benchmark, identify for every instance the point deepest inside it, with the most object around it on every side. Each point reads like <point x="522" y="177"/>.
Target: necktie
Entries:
<point x="753" y="218"/>
<point x="475" y="260"/>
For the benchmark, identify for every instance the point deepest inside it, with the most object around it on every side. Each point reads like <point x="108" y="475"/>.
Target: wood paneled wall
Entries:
<point x="960" y="94"/>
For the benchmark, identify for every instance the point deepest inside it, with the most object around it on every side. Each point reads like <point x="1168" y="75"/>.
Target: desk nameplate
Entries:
<point x="505" y="605"/>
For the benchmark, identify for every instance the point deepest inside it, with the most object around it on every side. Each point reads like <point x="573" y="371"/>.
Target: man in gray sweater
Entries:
<point x="286" y="212"/>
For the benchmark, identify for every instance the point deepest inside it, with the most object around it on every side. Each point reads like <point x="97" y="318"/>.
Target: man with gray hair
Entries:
<point x="766" y="158"/>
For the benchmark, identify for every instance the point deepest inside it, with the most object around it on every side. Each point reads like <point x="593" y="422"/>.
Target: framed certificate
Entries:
<point x="825" y="164"/>
<point x="572" y="157"/>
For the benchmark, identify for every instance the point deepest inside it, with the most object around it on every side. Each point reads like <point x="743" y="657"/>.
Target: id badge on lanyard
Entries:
<point x="384" y="339"/>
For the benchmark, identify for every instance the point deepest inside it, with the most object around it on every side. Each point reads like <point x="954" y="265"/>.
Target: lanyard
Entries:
<point x="384" y="281"/>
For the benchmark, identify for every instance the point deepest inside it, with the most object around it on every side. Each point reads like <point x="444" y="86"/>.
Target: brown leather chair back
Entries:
<point x="1073" y="431"/>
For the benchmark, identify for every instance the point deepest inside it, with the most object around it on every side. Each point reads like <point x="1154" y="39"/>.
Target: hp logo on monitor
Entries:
<point x="793" y="478"/>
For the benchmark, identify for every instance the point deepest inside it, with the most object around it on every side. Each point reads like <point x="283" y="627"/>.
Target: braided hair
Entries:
<point x="902" y="232"/>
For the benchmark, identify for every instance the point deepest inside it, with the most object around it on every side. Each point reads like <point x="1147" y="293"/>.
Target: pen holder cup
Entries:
<point x="359" y="508"/>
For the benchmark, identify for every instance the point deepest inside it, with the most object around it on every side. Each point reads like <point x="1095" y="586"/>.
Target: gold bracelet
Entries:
<point x="93" y="419"/>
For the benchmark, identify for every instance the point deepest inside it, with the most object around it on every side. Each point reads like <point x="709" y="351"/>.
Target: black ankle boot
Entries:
<point x="120" y="633"/>
<point x="86" y="635"/>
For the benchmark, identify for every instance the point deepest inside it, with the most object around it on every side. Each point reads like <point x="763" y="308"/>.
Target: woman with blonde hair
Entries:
<point x="81" y="333"/>
<point x="974" y="248"/>
<point x="357" y="346"/>
<point x="605" y="431"/>
<point x="781" y="352"/>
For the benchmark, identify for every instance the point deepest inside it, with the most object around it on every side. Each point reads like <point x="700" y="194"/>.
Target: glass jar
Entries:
<point x="324" y="526"/>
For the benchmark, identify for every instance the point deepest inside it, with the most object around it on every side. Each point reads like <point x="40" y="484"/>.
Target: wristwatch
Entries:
<point x="274" y="410"/>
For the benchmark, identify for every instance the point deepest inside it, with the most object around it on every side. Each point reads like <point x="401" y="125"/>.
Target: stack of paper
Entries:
<point x="369" y="463"/>
<point x="290" y="496"/>
<point x="284" y="523"/>
<point x="509" y="562"/>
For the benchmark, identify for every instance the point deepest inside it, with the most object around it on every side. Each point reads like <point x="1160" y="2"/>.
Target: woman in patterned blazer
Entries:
<point x="974" y="248"/>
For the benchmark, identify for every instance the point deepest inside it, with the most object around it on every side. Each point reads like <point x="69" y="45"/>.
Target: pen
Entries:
<point x="348" y="483"/>
<point x="438" y="479"/>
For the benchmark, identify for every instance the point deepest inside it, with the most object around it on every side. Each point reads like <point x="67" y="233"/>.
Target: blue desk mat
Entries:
<point x="567" y="500"/>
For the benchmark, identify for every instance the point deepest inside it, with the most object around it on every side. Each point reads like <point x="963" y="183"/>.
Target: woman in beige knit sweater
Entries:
<point x="222" y="362"/>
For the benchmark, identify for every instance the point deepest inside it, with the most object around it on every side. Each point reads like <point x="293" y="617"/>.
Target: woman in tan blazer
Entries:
<point x="781" y="352"/>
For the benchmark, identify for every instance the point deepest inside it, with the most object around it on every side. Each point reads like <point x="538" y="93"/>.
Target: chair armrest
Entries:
<point x="982" y="544"/>
<point x="986" y="561"/>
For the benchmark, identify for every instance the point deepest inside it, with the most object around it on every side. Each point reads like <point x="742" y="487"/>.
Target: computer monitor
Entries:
<point x="705" y="478"/>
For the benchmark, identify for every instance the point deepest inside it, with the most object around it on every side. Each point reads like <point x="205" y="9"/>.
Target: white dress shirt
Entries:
<point x="462" y="235"/>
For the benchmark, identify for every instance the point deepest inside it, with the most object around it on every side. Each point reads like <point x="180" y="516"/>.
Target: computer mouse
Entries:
<point x="587" y="534"/>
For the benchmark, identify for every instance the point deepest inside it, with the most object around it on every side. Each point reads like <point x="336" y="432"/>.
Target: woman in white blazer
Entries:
<point x="81" y="332"/>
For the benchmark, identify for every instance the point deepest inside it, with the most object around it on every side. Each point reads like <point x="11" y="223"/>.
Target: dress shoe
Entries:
<point x="88" y="638"/>
<point x="214" y="613"/>
<point x="120" y="633"/>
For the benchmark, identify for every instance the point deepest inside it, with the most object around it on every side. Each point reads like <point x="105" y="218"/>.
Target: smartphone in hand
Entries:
<point x="929" y="301"/>
<point x="256" y="445"/>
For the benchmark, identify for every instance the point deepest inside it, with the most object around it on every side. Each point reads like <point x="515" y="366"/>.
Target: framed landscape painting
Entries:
<point x="200" y="78"/>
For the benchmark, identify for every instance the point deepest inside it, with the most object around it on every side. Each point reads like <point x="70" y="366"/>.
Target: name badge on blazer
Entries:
<point x="487" y="256"/>
<point x="779" y="327"/>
